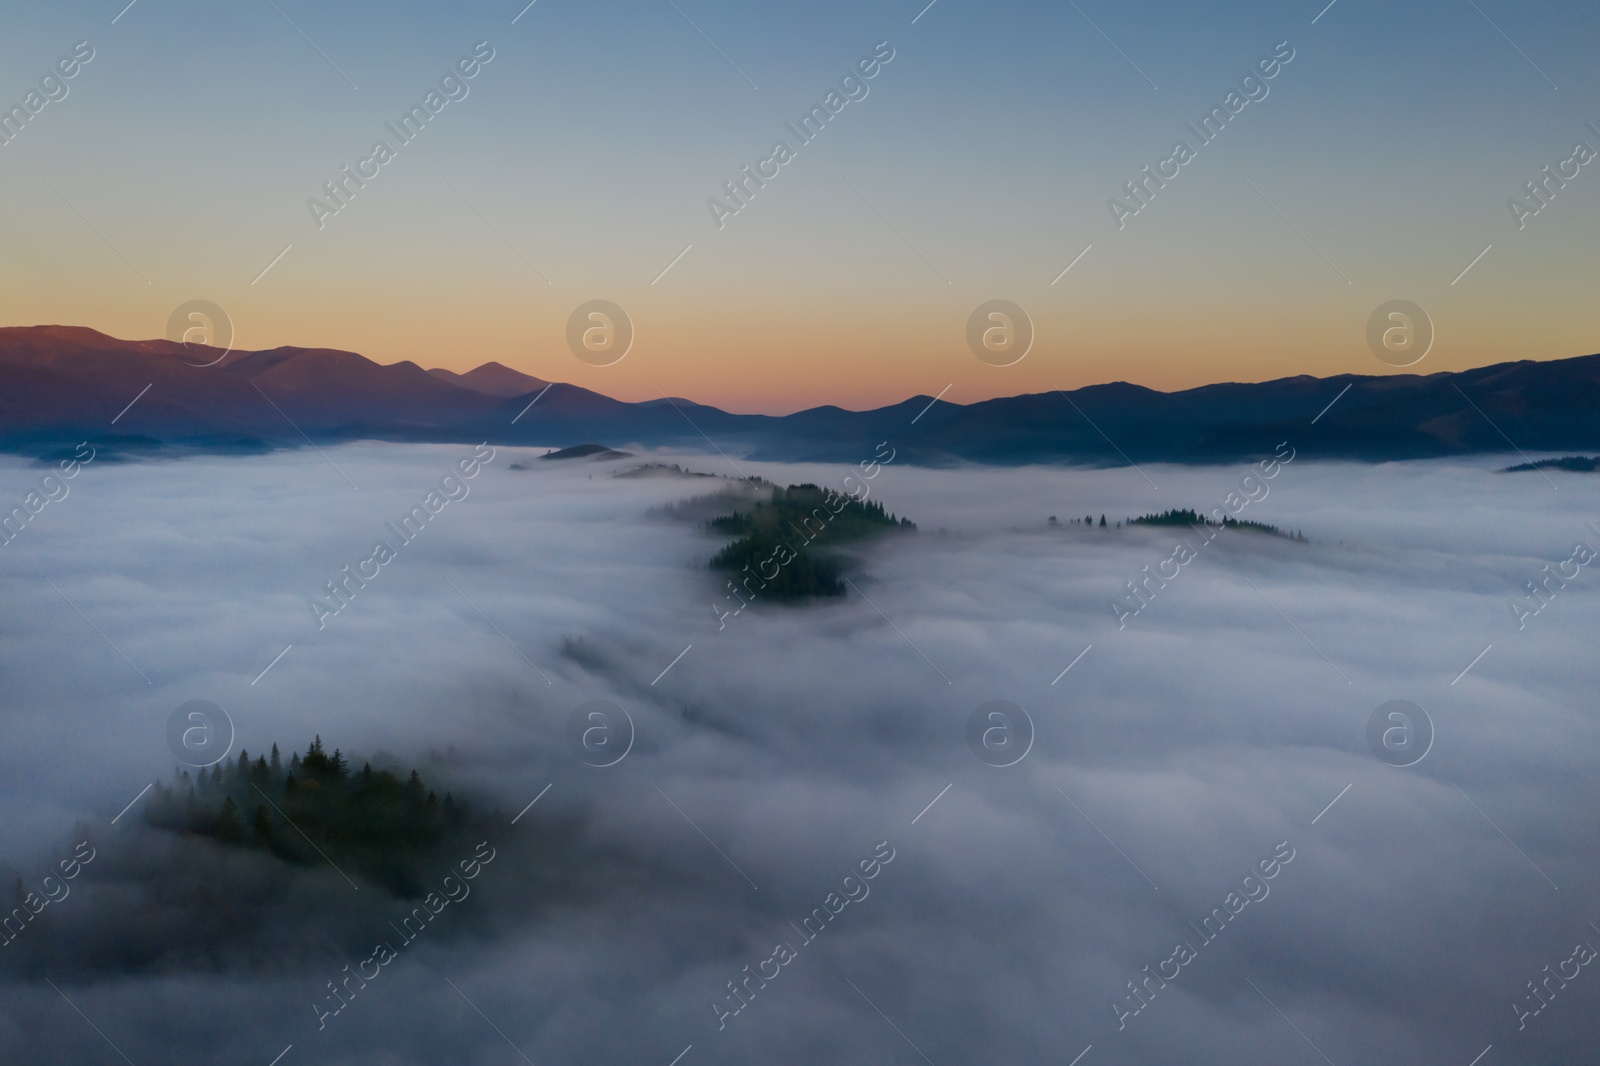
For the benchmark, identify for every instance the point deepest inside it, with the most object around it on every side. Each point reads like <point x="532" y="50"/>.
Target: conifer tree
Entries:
<point x="229" y="827"/>
<point x="380" y="823"/>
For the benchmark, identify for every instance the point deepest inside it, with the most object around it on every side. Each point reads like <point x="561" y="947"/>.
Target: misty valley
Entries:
<point x="701" y="533"/>
<point x="550" y="788"/>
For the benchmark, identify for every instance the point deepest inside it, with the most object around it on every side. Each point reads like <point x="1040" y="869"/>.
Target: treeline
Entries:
<point x="779" y="540"/>
<point x="313" y="809"/>
<point x="1577" y="464"/>
<point x="708" y="504"/>
<point x="1182" y="517"/>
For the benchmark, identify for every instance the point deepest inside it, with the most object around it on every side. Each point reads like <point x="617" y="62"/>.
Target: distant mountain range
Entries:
<point x="64" y="384"/>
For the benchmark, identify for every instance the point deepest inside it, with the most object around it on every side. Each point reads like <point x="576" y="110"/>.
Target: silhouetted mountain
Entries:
<point x="587" y="451"/>
<point x="63" y="384"/>
<point x="493" y="379"/>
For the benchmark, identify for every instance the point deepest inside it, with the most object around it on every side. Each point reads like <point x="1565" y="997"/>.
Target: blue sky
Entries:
<point x="978" y="167"/>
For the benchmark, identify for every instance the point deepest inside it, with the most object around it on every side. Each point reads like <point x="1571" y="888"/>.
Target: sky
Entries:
<point x="977" y="166"/>
<point x="777" y="748"/>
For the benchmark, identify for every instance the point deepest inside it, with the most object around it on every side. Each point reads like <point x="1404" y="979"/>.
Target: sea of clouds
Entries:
<point x="781" y="749"/>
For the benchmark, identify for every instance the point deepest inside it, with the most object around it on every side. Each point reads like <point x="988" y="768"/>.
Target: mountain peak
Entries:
<point x="83" y="337"/>
<point x="68" y="383"/>
<point x="492" y="379"/>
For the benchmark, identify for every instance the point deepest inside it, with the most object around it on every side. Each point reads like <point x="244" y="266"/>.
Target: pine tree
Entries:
<point x="229" y="828"/>
<point x="1102" y="521"/>
<point x="277" y="761"/>
<point x="316" y="762"/>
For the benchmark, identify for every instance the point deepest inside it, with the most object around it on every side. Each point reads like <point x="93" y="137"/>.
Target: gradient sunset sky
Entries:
<point x="979" y="165"/>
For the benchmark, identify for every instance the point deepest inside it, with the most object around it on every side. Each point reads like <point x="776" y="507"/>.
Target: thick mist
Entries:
<point x="780" y="753"/>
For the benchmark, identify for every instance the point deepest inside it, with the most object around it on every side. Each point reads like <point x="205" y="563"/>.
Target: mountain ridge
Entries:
<point x="63" y="384"/>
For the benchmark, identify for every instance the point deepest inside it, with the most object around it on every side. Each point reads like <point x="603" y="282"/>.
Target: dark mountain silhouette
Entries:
<point x="587" y="451"/>
<point x="493" y="379"/>
<point x="64" y="384"/>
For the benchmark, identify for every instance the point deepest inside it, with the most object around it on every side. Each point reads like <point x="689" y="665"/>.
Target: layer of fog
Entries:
<point x="782" y="746"/>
